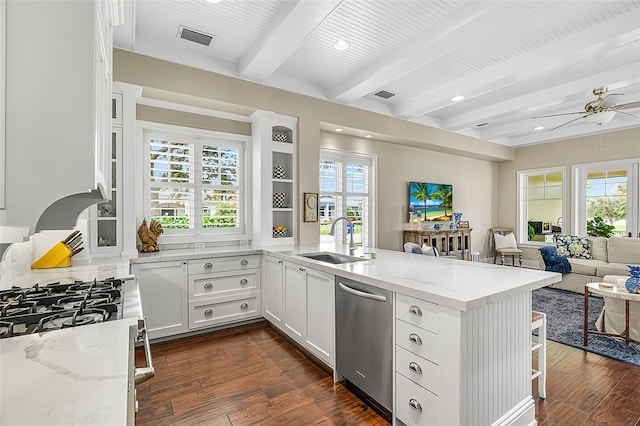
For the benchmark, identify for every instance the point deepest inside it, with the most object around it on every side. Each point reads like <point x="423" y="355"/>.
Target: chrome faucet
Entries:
<point x="352" y="245"/>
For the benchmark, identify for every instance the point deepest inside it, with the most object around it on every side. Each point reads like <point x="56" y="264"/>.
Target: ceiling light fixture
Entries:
<point x="538" y="128"/>
<point x="214" y="1"/>
<point x="457" y="98"/>
<point x="338" y="129"/>
<point x="341" y="45"/>
<point x="368" y="135"/>
<point x="600" y="118"/>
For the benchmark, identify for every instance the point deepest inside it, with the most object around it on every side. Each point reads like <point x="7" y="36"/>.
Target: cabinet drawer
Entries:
<point x="418" y="340"/>
<point x="221" y="264"/>
<point x="208" y="314"/>
<point x="421" y="371"/>
<point x="417" y="312"/>
<point x="414" y="404"/>
<point x="214" y="285"/>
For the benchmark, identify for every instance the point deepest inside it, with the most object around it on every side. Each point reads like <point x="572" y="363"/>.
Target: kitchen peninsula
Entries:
<point x="482" y="313"/>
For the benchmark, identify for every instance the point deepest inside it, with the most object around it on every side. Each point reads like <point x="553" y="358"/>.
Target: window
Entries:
<point x="608" y="190"/>
<point x="347" y="189"/>
<point x="195" y="181"/>
<point x="541" y="207"/>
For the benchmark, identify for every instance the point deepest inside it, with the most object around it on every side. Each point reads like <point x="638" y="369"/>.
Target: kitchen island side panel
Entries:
<point x="496" y="363"/>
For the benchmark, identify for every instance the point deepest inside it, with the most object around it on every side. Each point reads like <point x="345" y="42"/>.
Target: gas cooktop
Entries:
<point x="41" y="308"/>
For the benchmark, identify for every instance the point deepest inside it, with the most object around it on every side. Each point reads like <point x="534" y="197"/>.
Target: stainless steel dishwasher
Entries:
<point x="364" y="345"/>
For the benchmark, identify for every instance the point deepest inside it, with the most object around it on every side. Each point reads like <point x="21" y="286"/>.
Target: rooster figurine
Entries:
<point x="149" y="235"/>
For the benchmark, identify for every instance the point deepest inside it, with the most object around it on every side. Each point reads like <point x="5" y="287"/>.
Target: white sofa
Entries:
<point x="609" y="256"/>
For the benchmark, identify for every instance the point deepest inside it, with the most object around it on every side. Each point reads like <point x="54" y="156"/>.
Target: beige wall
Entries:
<point x="432" y="155"/>
<point x="601" y="147"/>
<point x="473" y="181"/>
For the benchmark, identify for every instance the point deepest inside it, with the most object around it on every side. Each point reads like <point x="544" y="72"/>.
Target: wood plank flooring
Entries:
<point x="252" y="375"/>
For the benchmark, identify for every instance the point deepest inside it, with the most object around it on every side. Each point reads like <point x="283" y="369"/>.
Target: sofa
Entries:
<point x="591" y="258"/>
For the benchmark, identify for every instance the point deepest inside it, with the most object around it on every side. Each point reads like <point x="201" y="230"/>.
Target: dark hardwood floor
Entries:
<point x="252" y="375"/>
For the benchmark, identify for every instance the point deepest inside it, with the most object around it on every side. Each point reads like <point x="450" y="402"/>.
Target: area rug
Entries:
<point x="565" y="324"/>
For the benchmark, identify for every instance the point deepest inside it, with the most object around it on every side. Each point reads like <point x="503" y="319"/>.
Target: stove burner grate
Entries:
<point x="72" y="319"/>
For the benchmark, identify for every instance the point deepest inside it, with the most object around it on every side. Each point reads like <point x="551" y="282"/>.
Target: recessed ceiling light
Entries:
<point x="338" y="129"/>
<point x="341" y="45"/>
<point x="457" y="98"/>
<point x="214" y="1"/>
<point x="538" y="128"/>
<point x="368" y="135"/>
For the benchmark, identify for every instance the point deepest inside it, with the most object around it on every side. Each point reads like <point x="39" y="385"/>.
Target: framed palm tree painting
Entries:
<point x="430" y="202"/>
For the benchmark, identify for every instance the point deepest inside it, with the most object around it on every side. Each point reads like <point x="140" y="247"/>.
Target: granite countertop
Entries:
<point x="70" y="376"/>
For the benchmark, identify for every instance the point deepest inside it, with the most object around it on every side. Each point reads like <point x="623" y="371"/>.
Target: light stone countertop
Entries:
<point x="73" y="376"/>
<point x="63" y="367"/>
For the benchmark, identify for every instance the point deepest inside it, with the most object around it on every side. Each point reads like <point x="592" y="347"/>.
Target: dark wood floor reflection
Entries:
<point x="252" y="375"/>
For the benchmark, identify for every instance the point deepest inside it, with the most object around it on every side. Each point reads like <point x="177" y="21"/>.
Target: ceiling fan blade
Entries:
<point x="570" y="121"/>
<point x="557" y="115"/>
<point x="626" y="113"/>
<point x="627" y="106"/>
<point x="609" y="100"/>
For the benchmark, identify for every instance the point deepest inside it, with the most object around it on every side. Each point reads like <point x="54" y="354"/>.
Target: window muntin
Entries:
<point x="194" y="183"/>
<point x="541" y="206"/>
<point x="345" y="183"/>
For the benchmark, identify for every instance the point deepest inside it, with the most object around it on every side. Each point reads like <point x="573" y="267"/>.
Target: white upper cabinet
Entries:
<point x="58" y="109"/>
<point x="274" y="139"/>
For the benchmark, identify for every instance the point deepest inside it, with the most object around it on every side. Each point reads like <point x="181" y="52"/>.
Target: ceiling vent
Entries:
<point x="481" y="124"/>
<point x="195" y="36"/>
<point x="384" y="94"/>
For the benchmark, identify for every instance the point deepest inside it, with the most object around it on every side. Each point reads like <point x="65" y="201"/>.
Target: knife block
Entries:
<point x="59" y="256"/>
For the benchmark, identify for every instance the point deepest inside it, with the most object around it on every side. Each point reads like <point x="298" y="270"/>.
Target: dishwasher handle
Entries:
<point x="364" y="294"/>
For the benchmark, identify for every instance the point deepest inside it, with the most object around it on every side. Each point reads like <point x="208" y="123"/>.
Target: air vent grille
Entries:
<point x="195" y="36"/>
<point x="384" y="94"/>
<point x="481" y="124"/>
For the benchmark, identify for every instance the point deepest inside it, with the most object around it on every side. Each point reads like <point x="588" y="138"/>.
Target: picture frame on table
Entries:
<point x="464" y="224"/>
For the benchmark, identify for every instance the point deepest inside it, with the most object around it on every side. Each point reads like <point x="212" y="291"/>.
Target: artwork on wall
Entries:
<point x="430" y="202"/>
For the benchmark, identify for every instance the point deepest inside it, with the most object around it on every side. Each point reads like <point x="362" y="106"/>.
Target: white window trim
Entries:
<point x="245" y="230"/>
<point x="523" y="220"/>
<point x="342" y="156"/>
<point x="579" y="210"/>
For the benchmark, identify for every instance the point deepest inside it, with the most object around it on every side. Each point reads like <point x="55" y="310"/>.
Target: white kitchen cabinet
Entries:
<point x="462" y="367"/>
<point x="163" y="290"/>
<point x="273" y="294"/>
<point x="106" y="217"/>
<point x="301" y="302"/>
<point x="58" y="95"/>
<point x="223" y="290"/>
<point x="274" y="138"/>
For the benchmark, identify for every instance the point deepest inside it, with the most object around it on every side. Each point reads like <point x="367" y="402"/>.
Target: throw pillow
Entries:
<point x="429" y="250"/>
<point x="505" y="241"/>
<point x="575" y="246"/>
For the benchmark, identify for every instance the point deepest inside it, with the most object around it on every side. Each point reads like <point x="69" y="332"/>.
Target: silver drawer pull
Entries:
<point x="244" y="306"/>
<point x="208" y="286"/>
<point x="244" y="262"/>
<point x="415" y="367"/>
<point x="415" y="405"/>
<point x="243" y="281"/>
<point x="208" y="265"/>
<point x="208" y="312"/>
<point x="415" y="339"/>
<point x="415" y="310"/>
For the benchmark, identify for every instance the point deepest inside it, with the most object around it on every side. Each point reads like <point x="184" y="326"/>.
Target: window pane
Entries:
<point x="172" y="207"/>
<point x="220" y="208"/>
<point x="219" y="165"/>
<point x="330" y="176"/>
<point x="536" y="180"/>
<point x="606" y="197"/>
<point x="543" y="204"/>
<point x="171" y="162"/>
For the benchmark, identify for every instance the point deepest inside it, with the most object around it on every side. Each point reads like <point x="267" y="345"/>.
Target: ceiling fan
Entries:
<point x="599" y="111"/>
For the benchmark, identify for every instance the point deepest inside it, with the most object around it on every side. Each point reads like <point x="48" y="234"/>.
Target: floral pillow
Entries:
<point x="576" y="246"/>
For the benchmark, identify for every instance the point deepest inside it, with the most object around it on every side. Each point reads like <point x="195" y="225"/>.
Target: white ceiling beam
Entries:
<point x="289" y="28"/>
<point x="570" y="132"/>
<point x="530" y="103"/>
<point x="124" y="35"/>
<point x="612" y="33"/>
<point x="454" y="31"/>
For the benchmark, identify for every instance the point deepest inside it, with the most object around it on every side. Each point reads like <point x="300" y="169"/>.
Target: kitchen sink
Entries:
<point x="334" y="258"/>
